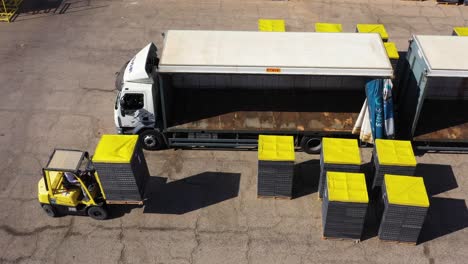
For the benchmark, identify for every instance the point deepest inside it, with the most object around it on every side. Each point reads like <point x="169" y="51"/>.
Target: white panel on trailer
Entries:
<point x="446" y="56"/>
<point x="350" y="54"/>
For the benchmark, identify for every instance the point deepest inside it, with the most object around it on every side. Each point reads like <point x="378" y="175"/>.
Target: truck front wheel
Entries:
<point x="152" y="140"/>
<point x="311" y="145"/>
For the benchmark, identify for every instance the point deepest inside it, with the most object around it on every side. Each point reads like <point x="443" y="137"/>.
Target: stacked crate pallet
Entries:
<point x="344" y="205"/>
<point x="406" y="205"/>
<point x="275" y="166"/>
<point x="338" y="154"/>
<point x="392" y="157"/>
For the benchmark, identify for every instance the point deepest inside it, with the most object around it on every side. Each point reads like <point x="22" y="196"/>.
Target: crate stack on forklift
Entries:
<point x="73" y="184"/>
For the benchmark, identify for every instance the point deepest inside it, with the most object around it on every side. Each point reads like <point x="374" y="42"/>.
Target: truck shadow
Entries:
<point x="189" y="194"/>
<point x="438" y="178"/>
<point x="306" y="177"/>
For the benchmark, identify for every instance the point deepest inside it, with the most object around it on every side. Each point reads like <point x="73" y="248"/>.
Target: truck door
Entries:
<point x="130" y="103"/>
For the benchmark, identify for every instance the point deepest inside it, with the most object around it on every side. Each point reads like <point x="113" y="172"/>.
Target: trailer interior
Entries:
<point x="234" y="103"/>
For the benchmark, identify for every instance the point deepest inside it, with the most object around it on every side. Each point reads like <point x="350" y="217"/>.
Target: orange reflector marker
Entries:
<point x="273" y="70"/>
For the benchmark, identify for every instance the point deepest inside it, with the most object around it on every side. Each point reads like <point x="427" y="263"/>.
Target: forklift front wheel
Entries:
<point x="49" y="210"/>
<point x="97" y="212"/>
<point x="152" y="140"/>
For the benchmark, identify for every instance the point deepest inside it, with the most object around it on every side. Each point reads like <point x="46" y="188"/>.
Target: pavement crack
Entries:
<point x="122" y="251"/>
<point x="249" y="242"/>
<point x="14" y="232"/>
<point x="197" y="239"/>
<point x="95" y="89"/>
<point x="427" y="254"/>
<point x="13" y="261"/>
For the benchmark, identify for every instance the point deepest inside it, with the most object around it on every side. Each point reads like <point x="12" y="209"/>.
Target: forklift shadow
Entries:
<point x="306" y="177"/>
<point x="189" y="194"/>
<point x="444" y="217"/>
<point x="438" y="178"/>
<point x="119" y="210"/>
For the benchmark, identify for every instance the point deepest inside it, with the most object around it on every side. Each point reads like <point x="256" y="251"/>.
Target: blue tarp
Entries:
<point x="374" y="90"/>
<point x="380" y="109"/>
<point x="388" y="108"/>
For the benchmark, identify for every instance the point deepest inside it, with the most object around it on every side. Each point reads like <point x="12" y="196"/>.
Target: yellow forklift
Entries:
<point x="71" y="184"/>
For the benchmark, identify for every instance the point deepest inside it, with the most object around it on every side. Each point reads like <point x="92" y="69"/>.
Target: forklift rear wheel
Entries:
<point x="49" y="210"/>
<point x="152" y="140"/>
<point x="97" y="212"/>
<point x="311" y="145"/>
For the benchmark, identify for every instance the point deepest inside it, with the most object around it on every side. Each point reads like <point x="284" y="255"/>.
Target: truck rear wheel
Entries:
<point x="311" y="145"/>
<point x="152" y="140"/>
<point x="97" y="212"/>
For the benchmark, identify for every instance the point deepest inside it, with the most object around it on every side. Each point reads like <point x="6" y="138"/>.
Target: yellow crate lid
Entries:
<point x="276" y="25"/>
<point x="328" y="27"/>
<point x="115" y="148"/>
<point x="406" y="190"/>
<point x="373" y="28"/>
<point x="341" y="151"/>
<point x="392" y="50"/>
<point x="347" y="187"/>
<point x="276" y="148"/>
<point x="395" y="152"/>
<point x="461" y="31"/>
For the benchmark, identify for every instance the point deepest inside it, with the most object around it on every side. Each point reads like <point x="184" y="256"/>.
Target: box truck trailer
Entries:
<point x="224" y="88"/>
<point x="433" y="104"/>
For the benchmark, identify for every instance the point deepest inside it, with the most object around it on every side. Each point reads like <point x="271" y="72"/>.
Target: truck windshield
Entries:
<point x="119" y="78"/>
<point x="117" y="99"/>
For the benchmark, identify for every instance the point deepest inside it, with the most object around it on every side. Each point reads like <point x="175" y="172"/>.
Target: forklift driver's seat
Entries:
<point x="67" y="184"/>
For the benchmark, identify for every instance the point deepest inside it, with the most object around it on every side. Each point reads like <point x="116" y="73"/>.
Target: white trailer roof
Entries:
<point x="445" y="55"/>
<point x="275" y="53"/>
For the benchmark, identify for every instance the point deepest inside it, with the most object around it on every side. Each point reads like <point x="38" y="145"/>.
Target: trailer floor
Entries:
<point x="441" y="119"/>
<point x="57" y="75"/>
<point x="284" y="110"/>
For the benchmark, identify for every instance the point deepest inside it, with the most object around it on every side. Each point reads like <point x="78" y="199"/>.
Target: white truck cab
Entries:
<point x="134" y="106"/>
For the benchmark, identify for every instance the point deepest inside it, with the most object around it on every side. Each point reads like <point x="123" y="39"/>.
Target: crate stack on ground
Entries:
<point x="406" y="205"/>
<point x="328" y="27"/>
<point x="392" y="157"/>
<point x="275" y="166"/>
<point x="344" y="205"/>
<point x="338" y="154"/>
<point x="271" y="25"/>
<point x="373" y="28"/>
<point x="460" y="31"/>
<point x="122" y="167"/>
<point x="390" y="47"/>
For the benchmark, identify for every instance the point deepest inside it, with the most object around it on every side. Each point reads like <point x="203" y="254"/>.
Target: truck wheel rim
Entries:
<point x="149" y="140"/>
<point x="313" y="143"/>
